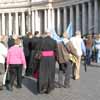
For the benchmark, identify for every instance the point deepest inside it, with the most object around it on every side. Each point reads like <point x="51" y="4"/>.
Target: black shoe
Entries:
<point x="59" y="86"/>
<point x="67" y="84"/>
<point x="1" y="88"/>
<point x="43" y="91"/>
<point x="18" y="86"/>
<point x="47" y="92"/>
<point x="9" y="88"/>
<point x="73" y="77"/>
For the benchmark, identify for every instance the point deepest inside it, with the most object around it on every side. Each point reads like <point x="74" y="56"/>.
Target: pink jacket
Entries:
<point x="15" y="55"/>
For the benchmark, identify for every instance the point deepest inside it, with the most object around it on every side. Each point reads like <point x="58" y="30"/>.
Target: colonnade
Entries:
<point x="83" y="16"/>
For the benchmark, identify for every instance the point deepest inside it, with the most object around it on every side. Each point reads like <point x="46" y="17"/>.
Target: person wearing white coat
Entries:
<point x="79" y="45"/>
<point x="3" y="54"/>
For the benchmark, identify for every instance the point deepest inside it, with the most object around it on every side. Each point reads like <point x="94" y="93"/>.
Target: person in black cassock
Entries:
<point x="48" y="46"/>
<point x="27" y="45"/>
<point x="34" y="62"/>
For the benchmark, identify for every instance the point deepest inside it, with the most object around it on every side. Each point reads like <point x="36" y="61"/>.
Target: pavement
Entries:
<point x="87" y="88"/>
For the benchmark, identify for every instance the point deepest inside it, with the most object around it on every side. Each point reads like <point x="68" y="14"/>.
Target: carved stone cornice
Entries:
<point x="13" y="10"/>
<point x="68" y="3"/>
<point x="20" y="4"/>
<point x="24" y="5"/>
<point x="56" y="4"/>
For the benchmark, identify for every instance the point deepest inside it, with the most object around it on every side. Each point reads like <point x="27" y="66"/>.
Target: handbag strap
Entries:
<point x="66" y="47"/>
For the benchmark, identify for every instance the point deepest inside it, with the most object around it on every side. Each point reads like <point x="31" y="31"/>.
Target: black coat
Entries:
<point x="47" y="64"/>
<point x="27" y="45"/>
<point x="35" y="44"/>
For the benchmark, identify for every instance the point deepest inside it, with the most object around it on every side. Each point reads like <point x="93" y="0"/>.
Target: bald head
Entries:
<point x="77" y="33"/>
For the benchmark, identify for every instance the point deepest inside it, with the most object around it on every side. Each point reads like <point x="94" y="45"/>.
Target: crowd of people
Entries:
<point x="92" y="43"/>
<point x="38" y="54"/>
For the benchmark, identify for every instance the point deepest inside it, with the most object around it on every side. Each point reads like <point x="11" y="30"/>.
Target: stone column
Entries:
<point x="10" y="24"/>
<point x="58" y="22"/>
<point x="83" y="18"/>
<point x="0" y="24"/>
<point x="33" y="21"/>
<point x="53" y="19"/>
<point x="41" y="19"/>
<point x="29" y="20"/>
<point x="45" y="20"/>
<point x="39" y="16"/>
<point x="96" y="16"/>
<point x="16" y="24"/>
<point x="77" y="18"/>
<point x="37" y="23"/>
<point x="49" y="18"/>
<point x="90" y="25"/>
<point x="23" y="23"/>
<point x="36" y="20"/>
<point x="65" y="18"/>
<point x="3" y="23"/>
<point x="72" y="16"/>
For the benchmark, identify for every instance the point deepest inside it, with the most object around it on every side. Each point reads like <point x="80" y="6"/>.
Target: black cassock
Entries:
<point x="27" y="44"/>
<point x="35" y="46"/>
<point x="47" y="65"/>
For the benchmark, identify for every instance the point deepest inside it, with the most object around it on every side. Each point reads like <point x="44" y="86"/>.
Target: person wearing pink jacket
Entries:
<point x="15" y="62"/>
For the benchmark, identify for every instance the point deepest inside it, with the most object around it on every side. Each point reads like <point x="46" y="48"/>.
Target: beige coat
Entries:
<point x="64" y="51"/>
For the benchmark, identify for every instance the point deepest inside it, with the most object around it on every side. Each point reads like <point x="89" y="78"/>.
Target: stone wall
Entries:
<point x="9" y="1"/>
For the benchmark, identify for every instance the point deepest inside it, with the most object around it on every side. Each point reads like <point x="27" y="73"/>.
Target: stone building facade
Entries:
<point x="20" y="16"/>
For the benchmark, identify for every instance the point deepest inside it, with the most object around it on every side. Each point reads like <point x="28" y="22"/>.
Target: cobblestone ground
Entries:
<point x="87" y="88"/>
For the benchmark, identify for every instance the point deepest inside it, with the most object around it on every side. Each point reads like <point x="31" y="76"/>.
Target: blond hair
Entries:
<point x="17" y="41"/>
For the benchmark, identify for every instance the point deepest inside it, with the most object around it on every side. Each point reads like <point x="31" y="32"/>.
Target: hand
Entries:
<point x="23" y="72"/>
<point x="7" y="66"/>
<point x="24" y="66"/>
